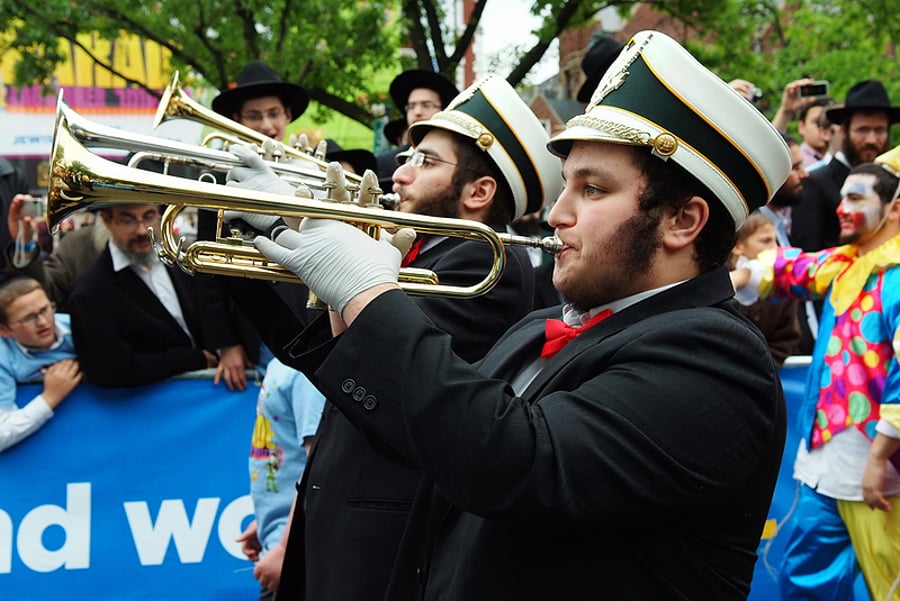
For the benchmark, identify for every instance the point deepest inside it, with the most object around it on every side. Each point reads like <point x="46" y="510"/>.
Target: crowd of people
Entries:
<point x="420" y="447"/>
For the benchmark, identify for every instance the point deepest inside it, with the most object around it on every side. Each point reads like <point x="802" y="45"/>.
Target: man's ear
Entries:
<point x="478" y="193"/>
<point x="5" y="331"/>
<point x="681" y="227"/>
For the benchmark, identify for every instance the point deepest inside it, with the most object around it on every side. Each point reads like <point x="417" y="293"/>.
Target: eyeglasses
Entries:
<point x="254" y="117"/>
<point x="130" y="221"/>
<point x="45" y="312"/>
<point x="865" y="131"/>
<point x="425" y="104"/>
<point x="419" y="159"/>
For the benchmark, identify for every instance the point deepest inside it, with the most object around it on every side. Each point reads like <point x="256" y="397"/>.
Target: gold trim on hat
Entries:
<point x="629" y="134"/>
<point x="483" y="137"/>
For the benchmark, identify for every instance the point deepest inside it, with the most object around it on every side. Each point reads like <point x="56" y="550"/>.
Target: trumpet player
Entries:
<point x="627" y="452"/>
<point x="355" y="500"/>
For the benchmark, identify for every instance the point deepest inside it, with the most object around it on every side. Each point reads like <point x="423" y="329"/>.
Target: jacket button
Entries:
<point x="370" y="402"/>
<point x="348" y="385"/>
<point x="359" y="393"/>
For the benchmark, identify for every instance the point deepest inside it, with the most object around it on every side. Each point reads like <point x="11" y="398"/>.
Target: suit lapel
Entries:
<point x="133" y="287"/>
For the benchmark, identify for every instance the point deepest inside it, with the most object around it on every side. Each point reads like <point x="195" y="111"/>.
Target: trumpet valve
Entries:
<point x="370" y="192"/>
<point x="321" y="150"/>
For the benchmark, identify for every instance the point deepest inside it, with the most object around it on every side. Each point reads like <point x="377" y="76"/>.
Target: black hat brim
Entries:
<point x="228" y="103"/>
<point x="359" y="158"/>
<point x="837" y="115"/>
<point x="403" y="85"/>
<point x="393" y="130"/>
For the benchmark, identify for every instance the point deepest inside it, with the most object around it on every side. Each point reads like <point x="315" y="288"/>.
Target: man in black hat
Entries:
<point x="419" y="94"/>
<point x="864" y="120"/>
<point x="262" y="101"/>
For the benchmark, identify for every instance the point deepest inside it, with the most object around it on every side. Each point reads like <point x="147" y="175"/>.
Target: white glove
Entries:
<point x="336" y="260"/>
<point x="257" y="175"/>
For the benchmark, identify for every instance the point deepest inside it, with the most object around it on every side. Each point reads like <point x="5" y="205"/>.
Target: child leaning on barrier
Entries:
<point x="37" y="345"/>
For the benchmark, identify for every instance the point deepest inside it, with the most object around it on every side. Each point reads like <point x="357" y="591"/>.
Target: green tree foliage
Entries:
<point x="336" y="49"/>
<point x="771" y="44"/>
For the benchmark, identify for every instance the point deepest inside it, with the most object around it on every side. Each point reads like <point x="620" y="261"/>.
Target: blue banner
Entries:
<point x="139" y="495"/>
<point x="130" y="494"/>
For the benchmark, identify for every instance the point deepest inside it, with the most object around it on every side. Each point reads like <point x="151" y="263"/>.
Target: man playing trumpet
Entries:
<point x="355" y="497"/>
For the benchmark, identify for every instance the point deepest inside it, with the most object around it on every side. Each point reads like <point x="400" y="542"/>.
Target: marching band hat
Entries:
<point x="596" y="61"/>
<point x="866" y="95"/>
<point x="256" y="80"/>
<point x="492" y="114"/>
<point x="403" y="85"/>
<point x="657" y="95"/>
<point x="359" y="158"/>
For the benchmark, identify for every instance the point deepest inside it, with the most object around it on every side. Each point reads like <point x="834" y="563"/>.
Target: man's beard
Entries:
<point x="142" y="259"/>
<point x="443" y="203"/>
<point x="783" y="198"/>
<point x="632" y="253"/>
<point x="853" y="155"/>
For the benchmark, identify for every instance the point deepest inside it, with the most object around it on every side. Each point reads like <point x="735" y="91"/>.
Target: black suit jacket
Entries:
<point x="814" y="222"/>
<point x="639" y="464"/>
<point x="124" y="336"/>
<point x="356" y="492"/>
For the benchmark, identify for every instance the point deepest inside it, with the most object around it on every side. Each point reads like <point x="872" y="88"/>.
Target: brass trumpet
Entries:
<point x="96" y="135"/>
<point x="176" y="104"/>
<point x="80" y="179"/>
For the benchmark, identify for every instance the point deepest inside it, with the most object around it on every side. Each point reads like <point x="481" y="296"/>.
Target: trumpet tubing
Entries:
<point x="96" y="135"/>
<point x="80" y="179"/>
<point x="176" y="104"/>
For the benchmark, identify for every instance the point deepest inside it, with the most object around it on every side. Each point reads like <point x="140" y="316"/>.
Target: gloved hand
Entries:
<point x="336" y="260"/>
<point x="256" y="175"/>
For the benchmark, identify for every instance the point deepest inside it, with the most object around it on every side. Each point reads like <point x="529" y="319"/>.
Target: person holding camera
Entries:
<point x="865" y="119"/>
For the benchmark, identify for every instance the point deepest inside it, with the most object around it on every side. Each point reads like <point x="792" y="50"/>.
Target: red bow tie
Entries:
<point x="558" y="333"/>
<point x="413" y="252"/>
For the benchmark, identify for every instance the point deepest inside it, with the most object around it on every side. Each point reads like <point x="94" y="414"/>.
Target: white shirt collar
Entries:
<point x="576" y="319"/>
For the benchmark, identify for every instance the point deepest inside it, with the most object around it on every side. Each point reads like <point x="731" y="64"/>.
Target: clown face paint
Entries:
<point x="860" y="210"/>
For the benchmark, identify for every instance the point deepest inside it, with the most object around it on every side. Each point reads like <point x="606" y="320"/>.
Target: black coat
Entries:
<point x="814" y="222"/>
<point x="123" y="334"/>
<point x="357" y="493"/>
<point x="639" y="464"/>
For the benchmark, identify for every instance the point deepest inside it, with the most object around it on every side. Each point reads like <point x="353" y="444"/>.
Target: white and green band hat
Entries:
<point x="492" y="114"/>
<point x="656" y="94"/>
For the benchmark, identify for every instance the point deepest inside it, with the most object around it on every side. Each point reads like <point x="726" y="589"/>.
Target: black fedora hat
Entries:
<point x="360" y="159"/>
<point x="596" y="61"/>
<point x="393" y="130"/>
<point x="256" y="80"/>
<point x="865" y="95"/>
<point x="406" y="82"/>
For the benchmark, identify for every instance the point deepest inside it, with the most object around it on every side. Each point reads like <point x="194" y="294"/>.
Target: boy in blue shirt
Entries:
<point x="36" y="345"/>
